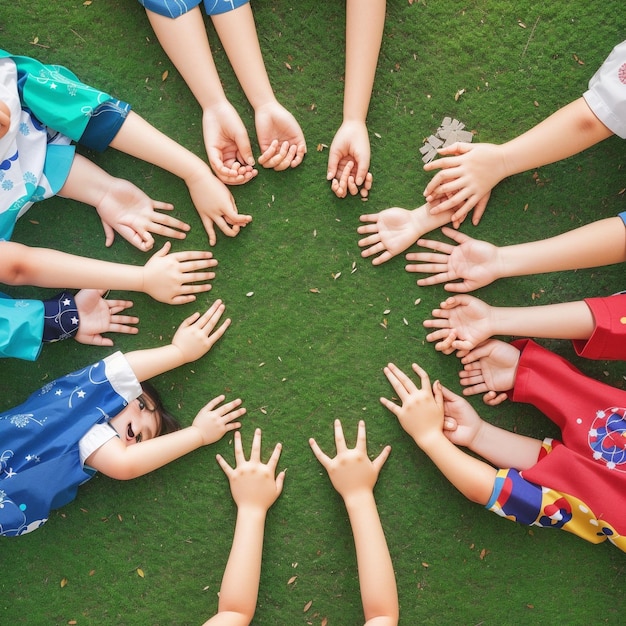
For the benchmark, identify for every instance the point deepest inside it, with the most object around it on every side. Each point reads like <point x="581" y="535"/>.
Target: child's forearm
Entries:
<point x="42" y="267"/>
<point x="472" y="477"/>
<point x="593" y="245"/>
<point x="151" y="362"/>
<point x="240" y="583"/>
<point x="365" y="21"/>
<point x="504" y="448"/>
<point x="376" y="576"/>
<point x="86" y="182"/>
<point x="237" y="32"/>
<point x="566" y="132"/>
<point x="140" y="139"/>
<point x="185" y="42"/>
<point x="117" y="460"/>
<point x="568" y="320"/>
<point x="423" y="221"/>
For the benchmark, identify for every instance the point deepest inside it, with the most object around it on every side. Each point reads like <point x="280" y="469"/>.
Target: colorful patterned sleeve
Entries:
<point x="520" y="500"/>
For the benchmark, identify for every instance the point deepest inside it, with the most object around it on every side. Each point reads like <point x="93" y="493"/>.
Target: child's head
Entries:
<point x="144" y="418"/>
<point x="167" y="423"/>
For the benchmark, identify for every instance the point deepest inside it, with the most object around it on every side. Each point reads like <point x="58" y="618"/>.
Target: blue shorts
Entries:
<point x="176" y="8"/>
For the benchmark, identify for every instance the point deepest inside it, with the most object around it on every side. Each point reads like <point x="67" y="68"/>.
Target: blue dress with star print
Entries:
<point x="40" y="467"/>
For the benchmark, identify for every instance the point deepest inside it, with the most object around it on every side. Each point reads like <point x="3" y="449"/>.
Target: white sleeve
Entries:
<point x="121" y="376"/>
<point x="94" y="438"/>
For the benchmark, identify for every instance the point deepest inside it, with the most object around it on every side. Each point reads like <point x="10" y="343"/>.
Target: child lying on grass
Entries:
<point x="102" y="418"/>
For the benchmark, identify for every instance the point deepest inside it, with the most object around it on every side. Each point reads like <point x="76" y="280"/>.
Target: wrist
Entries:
<point x="252" y="511"/>
<point x="357" y="499"/>
<point x="430" y="440"/>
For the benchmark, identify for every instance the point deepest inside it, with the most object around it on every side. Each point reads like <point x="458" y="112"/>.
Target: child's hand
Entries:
<point x="351" y="471"/>
<point x="167" y="277"/>
<point x="491" y="367"/>
<point x="197" y="334"/>
<point x="466" y="178"/>
<point x="463" y="322"/>
<point x="125" y="209"/>
<point x="280" y="137"/>
<point x="98" y="316"/>
<point x="461" y="423"/>
<point x="214" y="421"/>
<point x="215" y="204"/>
<point x="227" y="144"/>
<point x="421" y="410"/>
<point x="473" y="261"/>
<point x="390" y="232"/>
<point x="349" y="161"/>
<point x="252" y="482"/>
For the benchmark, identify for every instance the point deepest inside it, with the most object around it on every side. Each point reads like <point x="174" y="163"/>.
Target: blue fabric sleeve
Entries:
<point x="104" y="124"/>
<point x="622" y="215"/>
<point x="60" y="318"/>
<point x="21" y="328"/>
<point x="176" y="8"/>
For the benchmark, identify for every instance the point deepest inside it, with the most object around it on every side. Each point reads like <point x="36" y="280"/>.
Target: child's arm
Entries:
<point x="254" y="489"/>
<point x="122" y="206"/>
<point x="186" y="43"/>
<point x="502" y="448"/>
<point x="118" y="460"/>
<point x="349" y="156"/>
<point x="477" y="263"/>
<point x="166" y="277"/>
<point x="193" y="339"/>
<point x="393" y="230"/>
<point x="470" y="171"/>
<point x="210" y="196"/>
<point x="421" y="415"/>
<point x="473" y="321"/>
<point x="280" y="137"/>
<point x="353" y="475"/>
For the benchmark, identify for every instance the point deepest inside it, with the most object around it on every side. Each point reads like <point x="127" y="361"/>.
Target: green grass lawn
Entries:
<point x="299" y="358"/>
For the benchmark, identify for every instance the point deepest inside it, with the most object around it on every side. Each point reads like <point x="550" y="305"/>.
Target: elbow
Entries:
<point x="15" y="267"/>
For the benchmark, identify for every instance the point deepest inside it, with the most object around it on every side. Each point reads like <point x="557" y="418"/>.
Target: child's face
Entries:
<point x="137" y="422"/>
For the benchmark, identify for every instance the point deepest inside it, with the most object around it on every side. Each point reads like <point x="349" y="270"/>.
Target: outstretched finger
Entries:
<point x="361" y="437"/>
<point x="239" y="455"/>
<point x="379" y="461"/>
<point x="273" y="460"/>
<point x="340" y="440"/>
<point x="228" y="470"/>
<point x="424" y="378"/>
<point x="255" y="452"/>
<point x="400" y="382"/>
<point x="321" y="456"/>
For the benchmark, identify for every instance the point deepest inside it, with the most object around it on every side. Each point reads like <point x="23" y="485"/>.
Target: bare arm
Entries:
<point x="502" y="448"/>
<point x="279" y="135"/>
<point x="186" y="43"/>
<point x="421" y="415"/>
<point x="365" y="21"/>
<point x="166" y="277"/>
<point x="477" y="263"/>
<point x="353" y="475"/>
<point x="600" y="243"/>
<point x="468" y="172"/>
<point x="212" y="199"/>
<point x="254" y="489"/>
